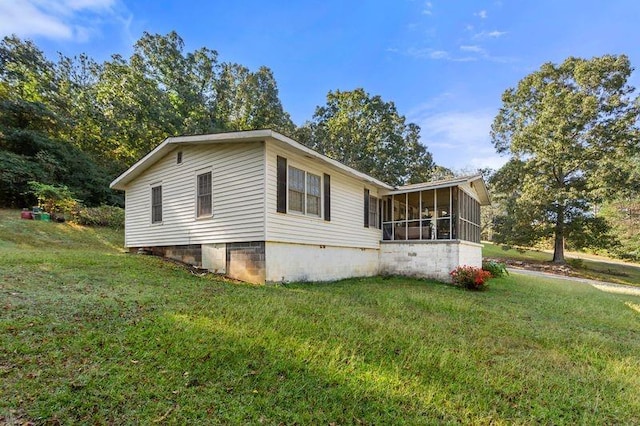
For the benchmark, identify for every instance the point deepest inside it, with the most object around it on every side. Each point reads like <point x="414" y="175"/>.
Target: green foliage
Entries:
<point x="248" y="101"/>
<point x="496" y="269"/>
<point x="470" y="277"/>
<point x="576" y="263"/>
<point x="79" y="123"/>
<point x="368" y="134"/>
<point x="106" y="216"/>
<point x="570" y="132"/>
<point x="15" y="171"/>
<point x="54" y="199"/>
<point x="623" y="215"/>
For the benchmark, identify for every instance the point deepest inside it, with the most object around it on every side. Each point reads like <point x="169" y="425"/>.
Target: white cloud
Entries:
<point x="435" y="54"/>
<point x="489" y="34"/>
<point x="73" y="20"/>
<point x="482" y="14"/>
<point x="457" y="139"/>
<point x="427" y="8"/>
<point x="89" y="4"/>
<point x="472" y="48"/>
<point x="470" y="53"/>
<point x="439" y="54"/>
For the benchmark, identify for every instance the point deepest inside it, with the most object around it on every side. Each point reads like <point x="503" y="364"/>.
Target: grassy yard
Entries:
<point x="587" y="266"/>
<point x="92" y="335"/>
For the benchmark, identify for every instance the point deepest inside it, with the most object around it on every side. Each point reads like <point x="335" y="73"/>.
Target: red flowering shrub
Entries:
<point x="470" y="277"/>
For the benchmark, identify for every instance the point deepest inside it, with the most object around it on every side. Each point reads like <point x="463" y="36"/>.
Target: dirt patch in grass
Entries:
<point x="536" y="266"/>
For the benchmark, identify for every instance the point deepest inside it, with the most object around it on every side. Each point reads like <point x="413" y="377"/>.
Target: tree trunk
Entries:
<point x="558" y="245"/>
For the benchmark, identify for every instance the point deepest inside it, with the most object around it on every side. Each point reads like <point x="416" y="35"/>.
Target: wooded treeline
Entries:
<point x="79" y="123"/>
<point x="570" y="132"/>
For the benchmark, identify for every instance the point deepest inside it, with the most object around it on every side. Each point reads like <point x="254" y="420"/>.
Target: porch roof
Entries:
<point x="475" y="182"/>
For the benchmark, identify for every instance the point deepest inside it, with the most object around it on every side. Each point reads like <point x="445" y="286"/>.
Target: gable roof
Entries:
<point x="171" y="143"/>
<point x="476" y="182"/>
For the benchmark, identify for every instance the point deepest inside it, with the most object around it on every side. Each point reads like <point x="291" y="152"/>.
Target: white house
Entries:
<point x="260" y="207"/>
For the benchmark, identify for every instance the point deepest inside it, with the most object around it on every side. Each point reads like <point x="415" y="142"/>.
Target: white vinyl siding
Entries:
<point x="345" y="228"/>
<point x="237" y="205"/>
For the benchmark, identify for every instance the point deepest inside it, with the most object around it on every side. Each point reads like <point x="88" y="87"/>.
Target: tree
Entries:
<point x="368" y="134"/>
<point x="78" y="123"/>
<point x="35" y="124"/>
<point x="247" y="100"/>
<point x="622" y="212"/>
<point x="570" y="131"/>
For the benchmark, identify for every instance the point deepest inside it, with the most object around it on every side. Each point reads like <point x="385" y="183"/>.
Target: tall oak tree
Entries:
<point x="570" y="131"/>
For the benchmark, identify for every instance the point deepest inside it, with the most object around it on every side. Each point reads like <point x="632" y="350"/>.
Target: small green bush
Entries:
<point x="469" y="277"/>
<point x="576" y="263"/>
<point x="107" y="216"/>
<point x="54" y="199"/>
<point x="496" y="269"/>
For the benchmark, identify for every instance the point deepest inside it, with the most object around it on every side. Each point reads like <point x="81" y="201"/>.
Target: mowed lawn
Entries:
<point x="92" y="335"/>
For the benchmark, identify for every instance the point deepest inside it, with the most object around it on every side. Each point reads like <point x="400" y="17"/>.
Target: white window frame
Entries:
<point x="199" y="173"/>
<point x="152" y="187"/>
<point x="374" y="212"/>
<point x="305" y="192"/>
<point x="317" y="196"/>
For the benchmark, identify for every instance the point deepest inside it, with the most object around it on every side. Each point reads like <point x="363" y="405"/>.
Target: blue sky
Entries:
<point x="444" y="63"/>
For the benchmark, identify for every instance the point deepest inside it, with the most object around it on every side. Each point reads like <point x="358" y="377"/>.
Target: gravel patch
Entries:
<point x="600" y="285"/>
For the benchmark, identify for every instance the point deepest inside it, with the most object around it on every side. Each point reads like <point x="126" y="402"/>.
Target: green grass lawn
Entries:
<point x="92" y="335"/>
<point x="593" y="267"/>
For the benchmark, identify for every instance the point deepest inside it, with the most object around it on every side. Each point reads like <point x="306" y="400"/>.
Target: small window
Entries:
<point x="156" y="204"/>
<point x="179" y="157"/>
<point x="204" y="195"/>
<point x="373" y="212"/>
<point x="313" y="194"/>
<point x="296" y="190"/>
<point x="305" y="192"/>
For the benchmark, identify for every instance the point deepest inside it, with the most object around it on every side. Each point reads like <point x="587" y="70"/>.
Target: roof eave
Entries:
<point x="244" y="136"/>
<point x="477" y="181"/>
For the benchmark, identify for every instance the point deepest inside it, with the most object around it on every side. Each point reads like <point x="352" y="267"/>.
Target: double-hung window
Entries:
<point x="373" y="212"/>
<point x="313" y="195"/>
<point x="204" y="195"/>
<point x="296" y="190"/>
<point x="305" y="191"/>
<point x="300" y="191"/>
<point x="156" y="204"/>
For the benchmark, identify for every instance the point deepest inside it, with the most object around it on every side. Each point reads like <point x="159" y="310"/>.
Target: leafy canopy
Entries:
<point x="368" y="134"/>
<point x="570" y="131"/>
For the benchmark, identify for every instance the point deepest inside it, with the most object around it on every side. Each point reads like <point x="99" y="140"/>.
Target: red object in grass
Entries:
<point x="26" y="214"/>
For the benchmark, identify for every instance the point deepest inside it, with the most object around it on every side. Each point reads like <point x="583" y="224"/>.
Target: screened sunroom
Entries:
<point x="444" y="211"/>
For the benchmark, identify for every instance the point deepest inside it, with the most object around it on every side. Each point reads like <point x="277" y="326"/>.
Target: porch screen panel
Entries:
<point x="469" y="218"/>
